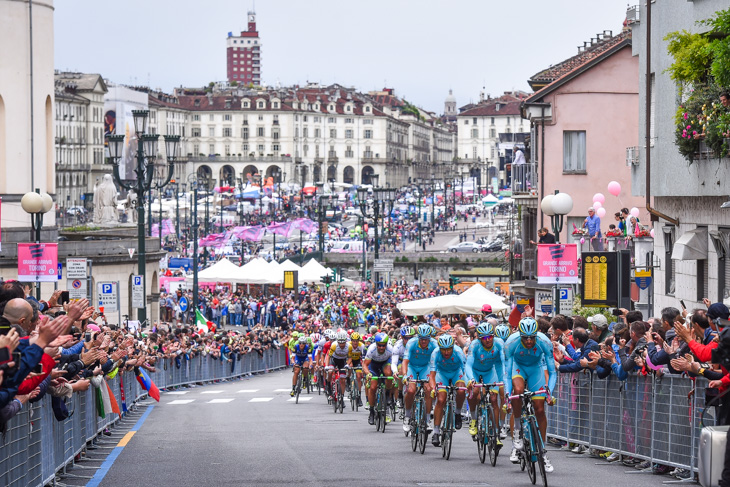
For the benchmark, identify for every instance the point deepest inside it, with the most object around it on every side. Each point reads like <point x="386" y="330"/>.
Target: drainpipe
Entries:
<point x="652" y="211"/>
<point x="542" y="163"/>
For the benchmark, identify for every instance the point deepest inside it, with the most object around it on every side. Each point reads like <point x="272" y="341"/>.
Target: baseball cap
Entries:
<point x="599" y="321"/>
<point x="718" y="310"/>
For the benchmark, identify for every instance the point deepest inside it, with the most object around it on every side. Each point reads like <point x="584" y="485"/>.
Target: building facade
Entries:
<point x="243" y="55"/>
<point x="687" y="197"/>
<point x="79" y="141"/>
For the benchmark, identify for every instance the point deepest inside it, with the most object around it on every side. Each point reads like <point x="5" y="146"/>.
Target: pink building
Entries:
<point x="584" y="122"/>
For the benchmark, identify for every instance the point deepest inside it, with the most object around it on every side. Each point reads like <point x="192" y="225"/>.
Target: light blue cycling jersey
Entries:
<point x="481" y="361"/>
<point x="529" y="362"/>
<point x="417" y="356"/>
<point x="454" y="363"/>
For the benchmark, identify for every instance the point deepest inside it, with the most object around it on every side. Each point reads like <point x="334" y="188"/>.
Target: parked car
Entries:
<point x="465" y="247"/>
<point x="494" y="245"/>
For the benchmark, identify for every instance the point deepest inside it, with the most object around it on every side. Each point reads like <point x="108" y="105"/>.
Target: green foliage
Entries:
<point x="430" y="259"/>
<point x="692" y="57"/>
<point x="81" y="228"/>
<point x="589" y="311"/>
<point x="720" y="46"/>
<point x="404" y="259"/>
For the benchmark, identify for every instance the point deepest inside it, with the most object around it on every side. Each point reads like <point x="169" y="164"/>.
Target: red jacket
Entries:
<point x="27" y="386"/>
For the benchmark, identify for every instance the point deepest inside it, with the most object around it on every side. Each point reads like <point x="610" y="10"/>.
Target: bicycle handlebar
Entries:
<point x="495" y="384"/>
<point x="529" y="394"/>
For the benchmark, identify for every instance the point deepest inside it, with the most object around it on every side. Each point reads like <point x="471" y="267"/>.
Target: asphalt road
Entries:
<point x="247" y="432"/>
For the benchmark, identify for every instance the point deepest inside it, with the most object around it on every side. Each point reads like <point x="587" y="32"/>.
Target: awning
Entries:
<point x="691" y="246"/>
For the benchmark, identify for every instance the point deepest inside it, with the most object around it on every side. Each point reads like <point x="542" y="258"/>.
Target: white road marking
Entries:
<point x="178" y="393"/>
<point x="181" y="401"/>
<point x="249" y="390"/>
<point x="210" y="392"/>
<point x="261" y="399"/>
<point x="293" y="399"/>
<point x="219" y="401"/>
<point x="282" y="390"/>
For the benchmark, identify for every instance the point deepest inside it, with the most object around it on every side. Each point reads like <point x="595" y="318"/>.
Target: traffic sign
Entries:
<point x="545" y="300"/>
<point x="138" y="292"/>
<point x="60" y="271"/>
<point x="643" y="279"/>
<point x="76" y="288"/>
<point x="566" y="301"/>
<point x="383" y="265"/>
<point x="75" y="268"/>
<point x="183" y="302"/>
<point x="108" y="293"/>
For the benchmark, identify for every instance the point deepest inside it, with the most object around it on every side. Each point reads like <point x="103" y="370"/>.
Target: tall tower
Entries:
<point x="450" y="105"/>
<point x="243" y="55"/>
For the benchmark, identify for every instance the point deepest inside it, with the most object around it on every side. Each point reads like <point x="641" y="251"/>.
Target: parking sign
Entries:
<point x="138" y="292"/>
<point x="107" y="296"/>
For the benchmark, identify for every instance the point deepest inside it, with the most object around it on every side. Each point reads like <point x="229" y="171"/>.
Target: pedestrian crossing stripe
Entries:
<point x="181" y="401"/>
<point x="177" y="393"/>
<point x="210" y="392"/>
<point x="249" y="390"/>
<point x="261" y="399"/>
<point x="293" y="399"/>
<point x="282" y="390"/>
<point x="219" y="401"/>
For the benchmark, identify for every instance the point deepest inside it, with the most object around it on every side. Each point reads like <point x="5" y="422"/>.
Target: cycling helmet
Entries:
<point x="392" y="341"/>
<point x="407" y="331"/>
<point x="341" y="336"/>
<point x="369" y="338"/>
<point x="424" y="331"/>
<point x="295" y="334"/>
<point x="381" y="338"/>
<point x="433" y="330"/>
<point x="528" y="327"/>
<point x="446" y="341"/>
<point x="355" y="336"/>
<point x="502" y="331"/>
<point x="328" y="334"/>
<point x="316" y="337"/>
<point x="302" y="339"/>
<point x="350" y="331"/>
<point x="485" y="329"/>
<point x="486" y="309"/>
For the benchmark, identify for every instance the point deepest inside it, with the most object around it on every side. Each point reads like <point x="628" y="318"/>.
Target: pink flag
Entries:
<point x="283" y="228"/>
<point x="304" y="224"/>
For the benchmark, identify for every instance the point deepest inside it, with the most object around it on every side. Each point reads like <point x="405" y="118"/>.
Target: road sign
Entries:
<point x="75" y="268"/>
<point x="183" y="302"/>
<point x="108" y="293"/>
<point x="37" y="262"/>
<point x="545" y="301"/>
<point x="137" y="292"/>
<point x="131" y="252"/>
<point x="383" y="265"/>
<point x="566" y="301"/>
<point x="76" y="288"/>
<point x="643" y="279"/>
<point x="60" y="271"/>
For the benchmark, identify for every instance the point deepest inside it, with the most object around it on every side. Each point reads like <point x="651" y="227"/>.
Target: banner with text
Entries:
<point x="557" y="264"/>
<point x="38" y="262"/>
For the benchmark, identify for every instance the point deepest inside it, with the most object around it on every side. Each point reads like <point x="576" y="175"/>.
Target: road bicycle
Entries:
<point x="381" y="402"/>
<point x="487" y="424"/>
<point x="533" y="450"/>
<point x="449" y="420"/>
<point x="298" y="386"/>
<point x="338" y="395"/>
<point x="419" y="421"/>
<point x="355" y="393"/>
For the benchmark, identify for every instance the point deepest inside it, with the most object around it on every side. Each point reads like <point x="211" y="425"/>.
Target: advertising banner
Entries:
<point x="38" y="262"/>
<point x="557" y="263"/>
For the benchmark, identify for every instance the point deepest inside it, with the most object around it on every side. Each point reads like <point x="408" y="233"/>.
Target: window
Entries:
<point x="349" y="120"/>
<point x="669" y="263"/>
<point x="244" y="133"/>
<point x="261" y="118"/>
<point x="466" y="122"/>
<point x="305" y="148"/>
<point x="260" y="131"/>
<point x="261" y="149"/>
<point x="475" y="133"/>
<point x="275" y="134"/>
<point x="211" y="131"/>
<point x="196" y="131"/>
<point x="226" y="132"/>
<point x="244" y="147"/>
<point x="348" y="152"/>
<point x="348" y="133"/>
<point x="333" y="133"/>
<point x="492" y="120"/>
<point x="367" y="109"/>
<point x="493" y="133"/>
<point x="368" y="134"/>
<point x="276" y="147"/>
<point x="261" y="104"/>
<point x="574" y="151"/>
<point x="227" y="149"/>
<point x="703" y="288"/>
<point x="474" y="152"/>
<point x="196" y="118"/>
<point x="368" y="152"/>
<point x="474" y="120"/>
<point x="196" y="149"/>
<point x="332" y="153"/>
<point x="317" y="133"/>
<point x="331" y="119"/>
<point x="211" y="149"/>
<point x="305" y="131"/>
<point x="367" y="121"/>
<point x="305" y="118"/>
<point x="317" y="119"/>
<point x="276" y="104"/>
<point x="245" y="104"/>
<point x="227" y="116"/>
<point x="211" y="117"/>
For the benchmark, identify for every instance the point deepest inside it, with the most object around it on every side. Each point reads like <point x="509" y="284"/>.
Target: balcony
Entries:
<point x="232" y="158"/>
<point x="524" y="179"/>
<point x="632" y="156"/>
<point x="632" y="15"/>
<point x="333" y="159"/>
<point x="376" y="160"/>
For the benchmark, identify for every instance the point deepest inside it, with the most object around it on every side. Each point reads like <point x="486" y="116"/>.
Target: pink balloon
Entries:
<point x="614" y="188"/>
<point x="599" y="197"/>
<point x="601" y="212"/>
<point x="634" y="212"/>
<point x="597" y="205"/>
<point x="582" y="240"/>
<point x="652" y="233"/>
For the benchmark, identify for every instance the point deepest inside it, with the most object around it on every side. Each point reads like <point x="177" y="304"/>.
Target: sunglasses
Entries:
<point x="380" y="345"/>
<point x="487" y="337"/>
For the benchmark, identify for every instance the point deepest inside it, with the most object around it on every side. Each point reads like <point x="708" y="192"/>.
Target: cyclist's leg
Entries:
<point x="473" y="400"/>
<point x="535" y="382"/>
<point x="438" y="410"/>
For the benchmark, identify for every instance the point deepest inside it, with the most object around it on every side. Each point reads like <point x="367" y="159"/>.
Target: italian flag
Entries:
<point x="200" y="322"/>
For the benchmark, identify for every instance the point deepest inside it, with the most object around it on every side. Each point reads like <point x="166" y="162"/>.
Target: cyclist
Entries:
<point x="406" y="333"/>
<point x="527" y="355"/>
<point x="357" y="349"/>
<point x="416" y="361"/>
<point x="486" y="360"/>
<point x="300" y="357"/>
<point x="447" y="366"/>
<point x="503" y="331"/>
<point x="377" y="362"/>
<point x="338" y="355"/>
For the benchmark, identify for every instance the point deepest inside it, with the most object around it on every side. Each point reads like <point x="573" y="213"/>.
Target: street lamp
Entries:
<point x="362" y="200"/>
<point x="146" y="154"/>
<point x="36" y="204"/>
<point x="308" y="198"/>
<point x="193" y="180"/>
<point x="556" y="206"/>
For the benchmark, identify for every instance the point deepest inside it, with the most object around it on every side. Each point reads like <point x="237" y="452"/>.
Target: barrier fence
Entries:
<point x="655" y="419"/>
<point x="37" y="446"/>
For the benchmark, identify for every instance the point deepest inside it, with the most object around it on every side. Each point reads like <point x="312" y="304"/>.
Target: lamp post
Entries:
<point x="362" y="200"/>
<point x="322" y="206"/>
<point x="146" y="154"/>
<point x="556" y="206"/>
<point x="36" y="205"/>
<point x="194" y="181"/>
<point x="308" y="197"/>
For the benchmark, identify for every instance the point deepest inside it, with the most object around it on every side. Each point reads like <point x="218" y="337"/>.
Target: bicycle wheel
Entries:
<point x="378" y="410"/>
<point x="336" y="395"/>
<point x="342" y="402"/>
<point x="298" y="389"/>
<point x="539" y="450"/>
<point x="445" y="429"/>
<point x="383" y="407"/>
<point x="357" y="400"/>
<point x="492" y="436"/>
<point x="481" y="434"/>
<point x="528" y="456"/>
<point x="423" y="428"/>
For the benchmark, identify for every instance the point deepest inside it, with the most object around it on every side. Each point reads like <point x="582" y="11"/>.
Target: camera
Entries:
<point x="616" y="312"/>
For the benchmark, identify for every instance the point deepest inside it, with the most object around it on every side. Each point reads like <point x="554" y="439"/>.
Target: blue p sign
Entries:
<point x="137" y="280"/>
<point x="106" y="288"/>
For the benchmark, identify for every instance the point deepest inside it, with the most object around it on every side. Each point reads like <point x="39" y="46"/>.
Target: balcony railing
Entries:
<point x="524" y="178"/>
<point x="632" y="156"/>
<point x="232" y="158"/>
<point x="632" y="15"/>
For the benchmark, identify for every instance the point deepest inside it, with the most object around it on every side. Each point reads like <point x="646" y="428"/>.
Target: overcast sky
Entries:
<point x="421" y="48"/>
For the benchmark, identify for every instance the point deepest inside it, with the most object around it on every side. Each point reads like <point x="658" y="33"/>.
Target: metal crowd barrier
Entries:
<point x="36" y="446"/>
<point x="655" y="419"/>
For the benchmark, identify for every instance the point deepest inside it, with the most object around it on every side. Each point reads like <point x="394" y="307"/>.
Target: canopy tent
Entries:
<point x="469" y="302"/>
<point x="288" y="265"/>
<point x="313" y="272"/>
<point x="222" y="271"/>
<point x="258" y="271"/>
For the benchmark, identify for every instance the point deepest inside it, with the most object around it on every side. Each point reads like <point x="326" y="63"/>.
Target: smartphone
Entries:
<point x="87" y="337"/>
<point x="5" y="355"/>
<point x="64" y="298"/>
<point x="681" y="302"/>
<point x="38" y="369"/>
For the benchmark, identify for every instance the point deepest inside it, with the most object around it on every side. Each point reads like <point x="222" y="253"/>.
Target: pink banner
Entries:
<point x="252" y="234"/>
<point x="167" y="228"/>
<point x="304" y="224"/>
<point x="38" y="262"/>
<point x="557" y="264"/>
<point x="213" y="240"/>
<point x="284" y="228"/>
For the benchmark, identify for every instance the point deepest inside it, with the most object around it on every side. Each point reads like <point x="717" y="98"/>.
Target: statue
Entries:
<point x="105" y="202"/>
<point x="130" y="207"/>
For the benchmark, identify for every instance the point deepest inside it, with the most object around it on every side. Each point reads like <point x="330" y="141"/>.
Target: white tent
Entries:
<point x="288" y="265"/>
<point x="222" y="271"/>
<point x="313" y="272"/>
<point x="468" y="302"/>
<point x="258" y="271"/>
